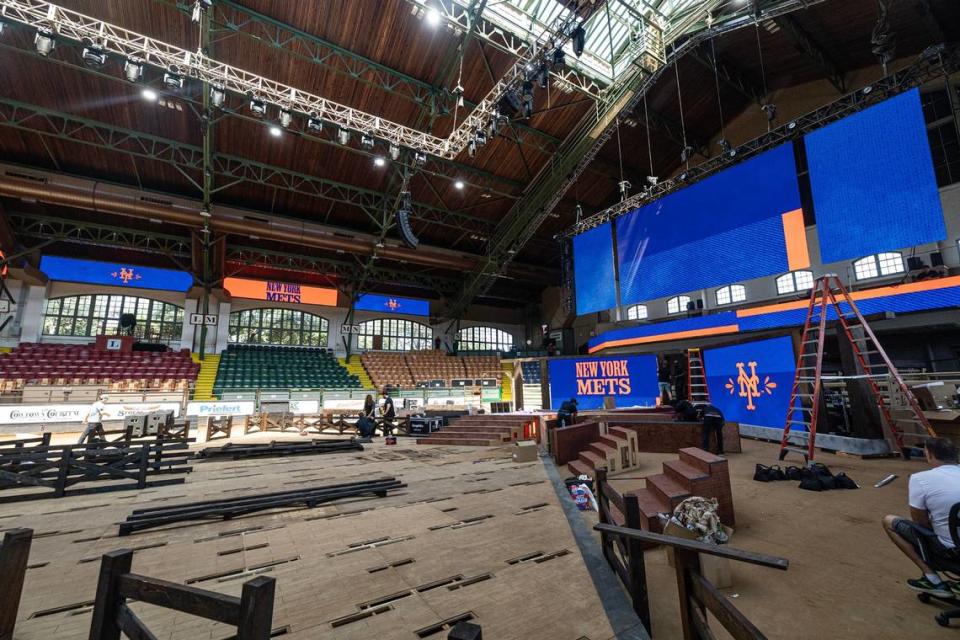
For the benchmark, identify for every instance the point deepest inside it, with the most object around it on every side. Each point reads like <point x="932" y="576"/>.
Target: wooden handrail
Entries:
<point x="750" y="557"/>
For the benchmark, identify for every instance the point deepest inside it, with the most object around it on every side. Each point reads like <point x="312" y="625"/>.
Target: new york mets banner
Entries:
<point x="632" y="380"/>
<point x="276" y="291"/>
<point x="751" y="382"/>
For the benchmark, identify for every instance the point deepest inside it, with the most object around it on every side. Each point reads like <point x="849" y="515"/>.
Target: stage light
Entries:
<point x="578" y="38"/>
<point x="472" y="147"/>
<point x="652" y="180"/>
<point x="528" y="107"/>
<point x="771" y="110"/>
<point x="725" y="147"/>
<point x="544" y="77"/>
<point x="204" y="211"/>
<point x="394" y="151"/>
<point x="686" y="154"/>
<point x="867" y="89"/>
<point x="343" y="136"/>
<point x="286" y="118"/>
<point x="379" y="161"/>
<point x="420" y="159"/>
<point x="217" y="95"/>
<point x="275" y="131"/>
<point x="559" y="58"/>
<point x="792" y="126"/>
<point x="433" y="17"/>
<point x="480" y="136"/>
<point x="44" y="41"/>
<point x="149" y="94"/>
<point x="172" y="78"/>
<point x="133" y="69"/>
<point x="314" y="123"/>
<point x="258" y="107"/>
<point x="682" y="177"/>
<point x="459" y="184"/>
<point x="93" y="56"/>
<point x="624" y="186"/>
<point x="366" y="142"/>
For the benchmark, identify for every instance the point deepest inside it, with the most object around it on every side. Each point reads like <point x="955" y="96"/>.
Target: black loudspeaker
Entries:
<point x="915" y="263"/>
<point x="936" y="259"/>
<point x="128" y="323"/>
<point x="691" y="305"/>
<point x="406" y="231"/>
<point x="699" y="303"/>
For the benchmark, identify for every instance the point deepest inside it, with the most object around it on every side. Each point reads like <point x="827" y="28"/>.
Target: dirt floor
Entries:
<point x="846" y="580"/>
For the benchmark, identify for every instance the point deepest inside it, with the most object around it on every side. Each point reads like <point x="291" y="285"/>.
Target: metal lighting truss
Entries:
<point x="128" y="44"/>
<point x="936" y="62"/>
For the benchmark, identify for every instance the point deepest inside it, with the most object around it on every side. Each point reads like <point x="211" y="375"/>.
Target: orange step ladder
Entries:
<point x="697" y="391"/>
<point x="827" y="296"/>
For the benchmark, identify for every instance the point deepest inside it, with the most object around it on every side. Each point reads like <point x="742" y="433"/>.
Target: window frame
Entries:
<point x="682" y="303"/>
<point x="91" y="314"/>
<point x="878" y="265"/>
<point x="278" y="326"/>
<point x="732" y="293"/>
<point x="398" y="334"/>
<point x="793" y="278"/>
<point x="484" y="338"/>
<point x="636" y="309"/>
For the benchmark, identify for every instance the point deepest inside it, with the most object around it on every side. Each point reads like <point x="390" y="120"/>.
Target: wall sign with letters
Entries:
<point x="276" y="291"/>
<point x="57" y="413"/>
<point x="631" y="380"/>
<point x="114" y="274"/>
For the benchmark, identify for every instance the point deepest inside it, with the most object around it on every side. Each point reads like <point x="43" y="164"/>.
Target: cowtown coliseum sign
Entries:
<point x="51" y="413"/>
<point x="276" y="291"/>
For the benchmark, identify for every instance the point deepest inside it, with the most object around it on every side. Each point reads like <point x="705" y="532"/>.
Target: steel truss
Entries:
<point x="122" y="42"/>
<point x="935" y="63"/>
<point x="188" y="159"/>
<point x="98" y="235"/>
<point x="582" y="146"/>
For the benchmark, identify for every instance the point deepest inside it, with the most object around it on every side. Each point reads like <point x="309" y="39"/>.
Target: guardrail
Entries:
<point x="13" y="566"/>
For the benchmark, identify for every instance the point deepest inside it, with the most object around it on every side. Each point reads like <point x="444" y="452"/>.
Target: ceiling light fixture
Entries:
<point x="133" y="69"/>
<point x="433" y="17"/>
<point x="258" y="107"/>
<point x="379" y="161"/>
<point x="217" y="95"/>
<point x="343" y="136"/>
<point x="45" y="40"/>
<point x="459" y="184"/>
<point x="172" y="78"/>
<point x="149" y="94"/>
<point x="314" y="123"/>
<point x="93" y="56"/>
<point x="286" y="118"/>
<point x="394" y="151"/>
<point x="275" y="131"/>
<point x="366" y="142"/>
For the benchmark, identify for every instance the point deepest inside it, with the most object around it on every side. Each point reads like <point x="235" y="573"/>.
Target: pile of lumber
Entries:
<point x="273" y="449"/>
<point x="242" y="505"/>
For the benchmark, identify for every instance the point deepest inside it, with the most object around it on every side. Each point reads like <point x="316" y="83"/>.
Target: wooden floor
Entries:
<point x="473" y="534"/>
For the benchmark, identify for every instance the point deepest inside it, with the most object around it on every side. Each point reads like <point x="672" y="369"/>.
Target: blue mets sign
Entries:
<point x="393" y="304"/>
<point x="114" y="274"/>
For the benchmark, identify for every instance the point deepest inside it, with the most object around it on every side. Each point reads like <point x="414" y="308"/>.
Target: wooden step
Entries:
<point x="667" y="489"/>
<point x="577" y="468"/>
<point x="613" y="441"/>
<point x="480" y="433"/>
<point x="466" y="442"/>
<point x="683" y="474"/>
<point x="619" y="432"/>
<point x="603" y="450"/>
<point x="699" y="459"/>
<point x="650" y="505"/>
<point x="457" y="428"/>
<point x="592" y="460"/>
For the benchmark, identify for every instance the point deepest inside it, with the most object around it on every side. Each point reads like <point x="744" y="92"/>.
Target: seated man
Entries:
<point x="366" y="426"/>
<point x="567" y="414"/>
<point x="925" y="537"/>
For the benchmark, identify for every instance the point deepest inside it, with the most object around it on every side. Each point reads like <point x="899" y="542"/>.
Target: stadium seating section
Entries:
<point x="531" y="372"/>
<point x="253" y="366"/>
<point x="59" y="364"/>
<point x="406" y="370"/>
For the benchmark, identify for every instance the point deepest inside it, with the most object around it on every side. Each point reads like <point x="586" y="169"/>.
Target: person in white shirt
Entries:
<point x="93" y="422"/>
<point x="925" y="538"/>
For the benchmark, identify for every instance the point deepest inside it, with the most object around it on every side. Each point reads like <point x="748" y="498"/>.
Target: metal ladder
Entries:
<point x="697" y="391"/>
<point x="825" y="300"/>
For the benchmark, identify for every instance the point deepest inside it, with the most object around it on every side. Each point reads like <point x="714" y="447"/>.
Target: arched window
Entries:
<point x="392" y="334"/>
<point x="677" y="304"/>
<point x="278" y="326"/>
<point x="731" y="294"/>
<point x="484" y="339"/>
<point x="99" y="314"/>
<point x="637" y="312"/>
<point x="795" y="281"/>
<point x="881" y="264"/>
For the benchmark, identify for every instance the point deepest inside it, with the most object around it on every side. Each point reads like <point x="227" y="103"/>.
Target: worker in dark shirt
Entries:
<point x="567" y="414"/>
<point x="713" y="421"/>
<point x="388" y="412"/>
<point x="366" y="426"/>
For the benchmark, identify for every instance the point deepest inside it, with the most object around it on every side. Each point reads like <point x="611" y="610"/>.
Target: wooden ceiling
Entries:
<point x="388" y="34"/>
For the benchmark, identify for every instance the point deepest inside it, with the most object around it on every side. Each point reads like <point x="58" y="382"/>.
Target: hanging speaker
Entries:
<point x="936" y="259"/>
<point x="406" y="231"/>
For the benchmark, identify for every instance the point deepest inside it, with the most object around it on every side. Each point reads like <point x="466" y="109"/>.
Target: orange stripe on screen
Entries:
<point x="795" y="237"/>
<point x="662" y="337"/>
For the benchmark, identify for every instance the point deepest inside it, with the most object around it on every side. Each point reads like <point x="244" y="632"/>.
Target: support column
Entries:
<point x="222" y="335"/>
<point x="189" y="330"/>
<point x="31" y="322"/>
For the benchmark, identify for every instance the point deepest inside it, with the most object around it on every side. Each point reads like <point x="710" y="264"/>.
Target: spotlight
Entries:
<point x="286" y="118"/>
<point x="45" y="41"/>
<point x="343" y="136"/>
<point x="394" y="151"/>
<point x="578" y="211"/>
<point x="480" y="136"/>
<point x="867" y="89"/>
<point x="559" y="58"/>
<point x="493" y="126"/>
<point x="792" y="126"/>
<point x="133" y="69"/>
<point x="543" y="76"/>
<point x="420" y="158"/>
<point x="379" y="161"/>
<point x="149" y="94"/>
<point x="652" y="180"/>
<point x="472" y="147"/>
<point x="258" y="107"/>
<point x="205" y="211"/>
<point x="459" y="184"/>
<point x="682" y="177"/>
<point x="433" y="17"/>
<point x="275" y="131"/>
<point x="93" y="56"/>
<point x="314" y="123"/>
<point x="458" y="91"/>
<point x="172" y="78"/>
<point x="579" y="39"/>
<point x="624" y="189"/>
<point x="366" y="142"/>
<point x="771" y="110"/>
<point x="686" y="154"/>
<point x="725" y="147"/>
<point x="217" y="95"/>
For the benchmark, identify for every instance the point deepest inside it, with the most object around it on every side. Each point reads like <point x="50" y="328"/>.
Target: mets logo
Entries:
<point x="392" y="304"/>
<point x="126" y="275"/>
<point x="749" y="384"/>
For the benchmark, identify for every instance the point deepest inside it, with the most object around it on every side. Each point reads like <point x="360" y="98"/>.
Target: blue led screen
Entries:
<point x="593" y="270"/>
<point x="751" y="382"/>
<point x="114" y="274"/>
<point x="726" y="228"/>
<point x="393" y="304"/>
<point x="873" y="183"/>
<point x="632" y="380"/>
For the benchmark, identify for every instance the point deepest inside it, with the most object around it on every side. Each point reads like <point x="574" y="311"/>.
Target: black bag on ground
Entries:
<point x="843" y="481"/>
<point x="763" y="473"/>
<point x="817" y="477"/>
<point x="794" y="473"/>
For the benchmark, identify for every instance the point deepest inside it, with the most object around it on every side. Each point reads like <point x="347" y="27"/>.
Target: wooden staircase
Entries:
<point x="203" y="389"/>
<point x="355" y="367"/>
<point x="481" y="431"/>
<point x="615" y="452"/>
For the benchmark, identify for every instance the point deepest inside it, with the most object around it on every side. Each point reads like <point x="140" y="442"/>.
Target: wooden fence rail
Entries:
<point x="251" y="613"/>
<point x="697" y="594"/>
<point x="13" y="566"/>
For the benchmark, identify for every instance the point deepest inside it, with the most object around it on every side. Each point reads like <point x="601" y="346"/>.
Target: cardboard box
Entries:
<point x="713" y="568"/>
<point x="525" y="451"/>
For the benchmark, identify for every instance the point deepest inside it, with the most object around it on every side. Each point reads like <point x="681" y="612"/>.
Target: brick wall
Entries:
<point x="670" y="437"/>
